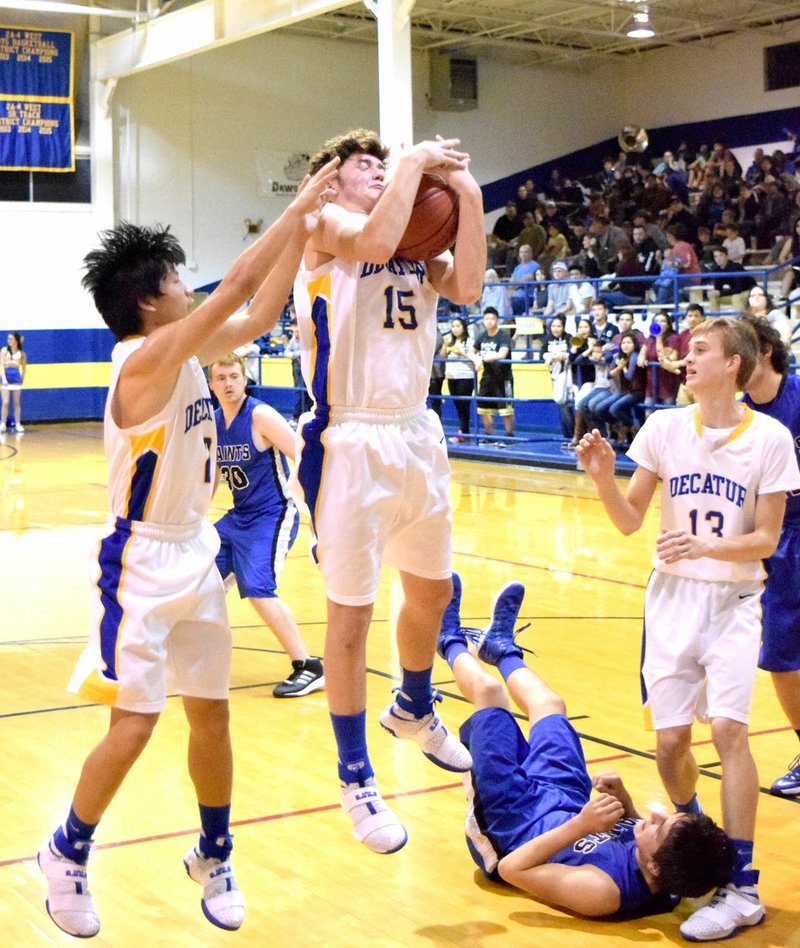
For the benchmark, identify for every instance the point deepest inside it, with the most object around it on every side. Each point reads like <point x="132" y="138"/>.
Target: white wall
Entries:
<point x="187" y="137"/>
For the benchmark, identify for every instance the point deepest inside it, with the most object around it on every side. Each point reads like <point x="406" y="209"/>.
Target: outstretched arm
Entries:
<point x="597" y="458"/>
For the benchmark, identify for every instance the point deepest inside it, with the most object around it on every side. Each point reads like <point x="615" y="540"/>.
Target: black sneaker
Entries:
<point x="307" y="676"/>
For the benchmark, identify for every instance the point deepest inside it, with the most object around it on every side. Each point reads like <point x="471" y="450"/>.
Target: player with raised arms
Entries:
<point x="372" y="462"/>
<point x="159" y="623"/>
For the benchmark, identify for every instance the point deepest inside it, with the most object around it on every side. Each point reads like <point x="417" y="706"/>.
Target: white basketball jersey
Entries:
<point x="710" y="480"/>
<point x="367" y="332"/>
<point x="162" y="471"/>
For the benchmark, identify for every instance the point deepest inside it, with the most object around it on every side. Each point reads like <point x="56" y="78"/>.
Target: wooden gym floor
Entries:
<point x="306" y="880"/>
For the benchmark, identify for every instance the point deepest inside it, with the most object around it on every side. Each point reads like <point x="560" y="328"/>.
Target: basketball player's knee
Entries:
<point x="489" y="693"/>
<point x="729" y="736"/>
<point x="673" y="742"/>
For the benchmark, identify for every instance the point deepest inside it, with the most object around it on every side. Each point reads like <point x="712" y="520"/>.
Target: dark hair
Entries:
<point x="561" y="319"/>
<point x="695" y="857"/>
<point x="696" y="308"/>
<point x="18" y="336"/>
<point x="491" y="309"/>
<point x="678" y="231"/>
<point x="668" y="316"/>
<point x="458" y="319"/>
<point x="128" y="266"/>
<point x="767" y="296"/>
<point x="629" y="335"/>
<point x="359" y="141"/>
<point x="768" y="336"/>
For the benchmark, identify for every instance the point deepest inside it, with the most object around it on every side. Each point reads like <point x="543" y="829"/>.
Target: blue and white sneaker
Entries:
<point x="789" y="784"/>
<point x="451" y="630"/>
<point x="69" y="901"/>
<point x="437" y="743"/>
<point x="497" y="640"/>
<point x="222" y="902"/>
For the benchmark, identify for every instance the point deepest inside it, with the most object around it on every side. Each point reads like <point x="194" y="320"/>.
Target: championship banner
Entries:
<point x="37" y="124"/>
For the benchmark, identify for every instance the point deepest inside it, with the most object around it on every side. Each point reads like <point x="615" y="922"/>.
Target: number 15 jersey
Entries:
<point x="367" y="332"/>
<point x="711" y="478"/>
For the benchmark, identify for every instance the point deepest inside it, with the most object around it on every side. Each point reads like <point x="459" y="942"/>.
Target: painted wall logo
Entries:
<point x="279" y="174"/>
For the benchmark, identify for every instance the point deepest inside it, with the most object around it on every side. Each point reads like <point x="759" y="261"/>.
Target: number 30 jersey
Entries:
<point x="258" y="479"/>
<point x="711" y="478"/>
<point x="367" y="332"/>
<point x="162" y="470"/>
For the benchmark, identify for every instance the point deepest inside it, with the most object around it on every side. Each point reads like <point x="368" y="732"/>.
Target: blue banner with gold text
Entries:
<point x="36" y="100"/>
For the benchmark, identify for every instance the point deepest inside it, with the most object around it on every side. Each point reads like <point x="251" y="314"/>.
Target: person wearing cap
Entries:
<point x="558" y="301"/>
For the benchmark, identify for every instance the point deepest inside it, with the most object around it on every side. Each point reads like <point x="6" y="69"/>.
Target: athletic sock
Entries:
<point x="215" y="837"/>
<point x="508" y="664"/>
<point x="693" y="806"/>
<point x="73" y="839"/>
<point x="415" y="694"/>
<point x="453" y="651"/>
<point x="350" y="732"/>
<point x="744" y="876"/>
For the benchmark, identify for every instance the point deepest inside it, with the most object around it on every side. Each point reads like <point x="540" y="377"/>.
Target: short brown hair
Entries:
<point x="738" y="338"/>
<point x="359" y="141"/>
<point x="231" y="358"/>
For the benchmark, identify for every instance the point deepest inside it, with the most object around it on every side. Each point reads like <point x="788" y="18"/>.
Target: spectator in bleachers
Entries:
<point x="695" y="314"/>
<point x="754" y="175"/>
<point x="602" y="328"/>
<point x="642" y="219"/>
<point x="556" y="358"/>
<point x="746" y="208"/>
<point x="629" y="377"/>
<point x="503" y="239"/>
<point x="734" y="243"/>
<point x="660" y="347"/>
<point x="697" y="168"/>
<point x="495" y="294"/>
<point x="592" y="394"/>
<point x="760" y="304"/>
<point x="587" y="258"/>
<point x="726" y="285"/>
<point x="719" y="156"/>
<point x="625" y="324"/>
<point x="679" y="259"/>
<point x="533" y="234"/>
<point x="522" y="276"/>
<point x="610" y="237"/>
<point x="679" y="213"/>
<point x="540" y="289"/>
<point x="557" y="248"/>
<point x="525" y="201"/>
<point x="712" y="203"/>
<point x="552" y="215"/>
<point x="490" y="351"/>
<point x="581" y="294"/>
<point x="627" y="292"/>
<point x="654" y="196"/>
<point x="460" y="374"/>
<point x="772" y="215"/>
<point x="790" y="249"/>
<point x="575" y="233"/>
<point x="705" y="247"/>
<point x="582" y="370"/>
<point x="558" y="301"/>
<point x="646" y="250"/>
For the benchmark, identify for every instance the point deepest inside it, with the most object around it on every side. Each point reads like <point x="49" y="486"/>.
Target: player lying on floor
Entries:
<point x="531" y="815"/>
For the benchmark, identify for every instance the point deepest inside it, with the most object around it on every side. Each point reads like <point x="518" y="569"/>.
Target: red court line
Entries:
<point x="328" y="807"/>
<point x="547" y="569"/>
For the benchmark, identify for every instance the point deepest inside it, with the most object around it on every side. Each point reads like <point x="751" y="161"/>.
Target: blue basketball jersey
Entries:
<point x="785" y="407"/>
<point x="258" y="479"/>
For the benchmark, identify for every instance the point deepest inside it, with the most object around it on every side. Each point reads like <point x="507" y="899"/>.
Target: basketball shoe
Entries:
<point x="222" y="902"/>
<point x="498" y="638"/>
<point x="729" y="910"/>
<point x="789" y="784"/>
<point x="374" y="824"/>
<point x="307" y="676"/>
<point x="69" y="902"/>
<point x="437" y="743"/>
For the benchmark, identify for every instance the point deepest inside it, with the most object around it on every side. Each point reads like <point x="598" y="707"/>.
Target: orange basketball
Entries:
<point x="434" y="221"/>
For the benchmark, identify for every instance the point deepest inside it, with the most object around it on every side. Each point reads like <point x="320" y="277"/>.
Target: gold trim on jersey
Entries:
<point x="740" y="429"/>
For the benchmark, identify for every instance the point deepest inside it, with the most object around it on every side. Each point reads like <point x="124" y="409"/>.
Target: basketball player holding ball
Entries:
<point x="372" y="461"/>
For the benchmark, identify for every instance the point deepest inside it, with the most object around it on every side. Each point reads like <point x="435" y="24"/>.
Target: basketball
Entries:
<point x="434" y="221"/>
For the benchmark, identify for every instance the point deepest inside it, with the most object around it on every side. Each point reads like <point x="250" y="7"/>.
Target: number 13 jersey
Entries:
<point x="711" y="478"/>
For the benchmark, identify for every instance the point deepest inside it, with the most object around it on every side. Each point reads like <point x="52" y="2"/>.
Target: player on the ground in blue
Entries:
<point x="774" y="390"/>
<point x="257" y="533"/>
<point x="531" y="816"/>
